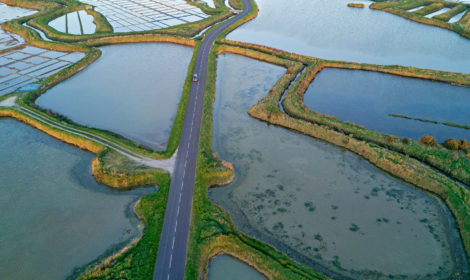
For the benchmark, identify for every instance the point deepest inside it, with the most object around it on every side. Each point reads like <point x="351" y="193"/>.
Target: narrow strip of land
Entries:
<point x="171" y="258"/>
<point x="165" y="164"/>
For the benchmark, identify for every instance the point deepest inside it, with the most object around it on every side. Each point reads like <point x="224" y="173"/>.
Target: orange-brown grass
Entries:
<point x="356" y="5"/>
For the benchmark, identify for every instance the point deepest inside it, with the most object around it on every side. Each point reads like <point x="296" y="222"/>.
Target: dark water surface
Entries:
<point x="224" y="267"/>
<point x="368" y="98"/>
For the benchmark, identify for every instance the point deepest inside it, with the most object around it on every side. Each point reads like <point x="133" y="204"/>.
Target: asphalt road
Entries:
<point x="171" y="258"/>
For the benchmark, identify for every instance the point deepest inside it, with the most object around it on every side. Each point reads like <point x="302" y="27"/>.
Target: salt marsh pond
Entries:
<point x="129" y="15"/>
<point x="371" y="99"/>
<point x="331" y="30"/>
<point x="55" y="217"/>
<point x="132" y="89"/>
<point x="7" y="39"/>
<point x="323" y="206"/>
<point x="77" y="23"/>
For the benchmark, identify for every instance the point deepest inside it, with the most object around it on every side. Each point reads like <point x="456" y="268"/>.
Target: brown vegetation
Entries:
<point x="451" y="144"/>
<point x="75" y="140"/>
<point x="356" y="5"/>
<point x="428" y="140"/>
<point x="116" y="171"/>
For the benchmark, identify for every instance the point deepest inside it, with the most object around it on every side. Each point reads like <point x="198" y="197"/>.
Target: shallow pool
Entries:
<point x="55" y="217"/>
<point x="331" y="30"/>
<point x="77" y="23"/>
<point x="371" y="99"/>
<point x="132" y="89"/>
<point x="323" y="206"/>
<point x="224" y="267"/>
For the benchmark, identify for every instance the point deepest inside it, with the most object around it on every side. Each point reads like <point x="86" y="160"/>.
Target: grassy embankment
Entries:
<point x="92" y="53"/>
<point x="362" y="142"/>
<point x="236" y="4"/>
<point x="248" y="17"/>
<point x="89" y="47"/>
<point x="456" y="165"/>
<point x="135" y="261"/>
<point x="213" y="228"/>
<point x="104" y="29"/>
<point x="430" y="121"/>
<point x="212" y="234"/>
<point x="138" y="261"/>
<point x="401" y="8"/>
<point x="212" y="231"/>
<point x="456" y="196"/>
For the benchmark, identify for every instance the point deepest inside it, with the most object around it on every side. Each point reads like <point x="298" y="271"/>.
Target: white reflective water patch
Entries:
<point x="73" y="23"/>
<point x="87" y="22"/>
<point x="7" y="39"/>
<point x="133" y="15"/>
<point x="21" y="67"/>
<point x="415" y="9"/>
<point x="76" y="23"/>
<point x="436" y="13"/>
<point x="457" y="17"/>
<point x="8" y="12"/>
<point x="59" y="24"/>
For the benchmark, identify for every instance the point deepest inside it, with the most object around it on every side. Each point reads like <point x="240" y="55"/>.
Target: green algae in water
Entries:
<point x="340" y="214"/>
<point x="55" y="217"/>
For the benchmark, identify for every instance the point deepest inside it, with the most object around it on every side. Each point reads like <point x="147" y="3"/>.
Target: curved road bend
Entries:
<point x="171" y="258"/>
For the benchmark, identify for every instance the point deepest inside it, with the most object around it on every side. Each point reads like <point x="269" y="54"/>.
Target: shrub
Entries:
<point x="428" y="140"/>
<point x="356" y="5"/>
<point x="451" y="144"/>
<point x="390" y="139"/>
<point x="405" y="140"/>
<point x="464" y="145"/>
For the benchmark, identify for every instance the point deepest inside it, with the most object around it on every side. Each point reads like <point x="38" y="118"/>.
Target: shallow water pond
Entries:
<point x="323" y="206"/>
<point x="369" y="99"/>
<point x="55" y="217"/>
<point x="30" y="64"/>
<point x="331" y="30"/>
<point x="7" y="39"/>
<point x="224" y="267"/>
<point x="131" y="89"/>
<point x="77" y="23"/>
<point x="130" y="15"/>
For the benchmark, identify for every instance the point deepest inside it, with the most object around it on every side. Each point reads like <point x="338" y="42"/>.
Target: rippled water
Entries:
<point x="131" y="89"/>
<point x="224" y="267"/>
<point x="329" y="29"/>
<point x="323" y="206"/>
<point x="367" y="98"/>
<point x="55" y="217"/>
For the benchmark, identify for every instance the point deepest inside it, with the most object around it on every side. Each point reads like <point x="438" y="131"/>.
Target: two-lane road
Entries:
<point x="171" y="258"/>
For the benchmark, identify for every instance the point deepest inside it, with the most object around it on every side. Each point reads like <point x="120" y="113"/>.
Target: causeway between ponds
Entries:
<point x="171" y="258"/>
